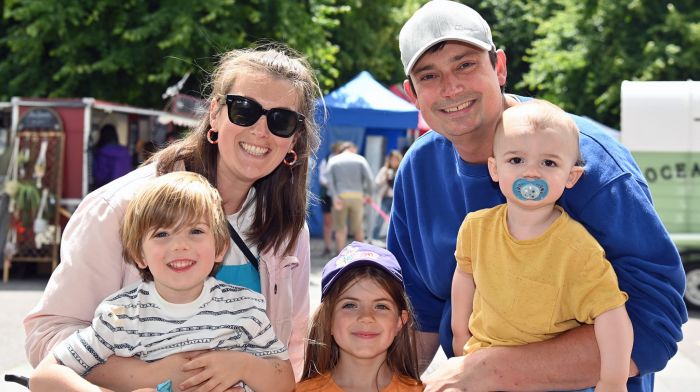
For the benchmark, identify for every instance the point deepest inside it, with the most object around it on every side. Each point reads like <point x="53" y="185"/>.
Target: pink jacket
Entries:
<point x="92" y="268"/>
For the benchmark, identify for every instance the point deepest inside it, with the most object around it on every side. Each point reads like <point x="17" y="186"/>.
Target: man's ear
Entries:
<point x="574" y="175"/>
<point x="501" y="68"/>
<point x="492" y="169"/>
<point x="410" y="93"/>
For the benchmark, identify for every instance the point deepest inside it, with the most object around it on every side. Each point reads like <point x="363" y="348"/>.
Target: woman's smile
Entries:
<point x="253" y="149"/>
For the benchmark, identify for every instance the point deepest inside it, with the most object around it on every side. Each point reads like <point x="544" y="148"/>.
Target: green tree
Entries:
<point x="130" y="50"/>
<point x="574" y="53"/>
<point x="513" y="24"/>
<point x="368" y="38"/>
<point x="585" y="50"/>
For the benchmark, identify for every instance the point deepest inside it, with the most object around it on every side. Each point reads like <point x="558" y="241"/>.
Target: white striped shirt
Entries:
<point x="136" y="321"/>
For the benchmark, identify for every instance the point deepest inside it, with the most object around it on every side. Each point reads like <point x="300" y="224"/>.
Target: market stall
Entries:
<point x="46" y="155"/>
<point x="33" y="184"/>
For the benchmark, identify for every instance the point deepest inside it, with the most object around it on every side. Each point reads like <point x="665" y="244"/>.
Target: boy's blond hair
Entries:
<point x="171" y="200"/>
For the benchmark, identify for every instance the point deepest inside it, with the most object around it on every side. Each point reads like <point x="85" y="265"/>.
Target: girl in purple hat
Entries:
<point x="363" y="327"/>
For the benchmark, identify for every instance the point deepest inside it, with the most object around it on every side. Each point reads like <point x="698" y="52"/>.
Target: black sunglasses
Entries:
<point x="246" y="112"/>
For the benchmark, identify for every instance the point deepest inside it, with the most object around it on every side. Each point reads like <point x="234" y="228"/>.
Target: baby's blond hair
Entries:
<point x="541" y="114"/>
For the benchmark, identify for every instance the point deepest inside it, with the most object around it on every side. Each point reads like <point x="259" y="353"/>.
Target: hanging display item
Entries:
<point x="34" y="186"/>
<point x="40" y="165"/>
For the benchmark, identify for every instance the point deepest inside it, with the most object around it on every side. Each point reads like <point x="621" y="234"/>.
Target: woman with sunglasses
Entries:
<point x="254" y="145"/>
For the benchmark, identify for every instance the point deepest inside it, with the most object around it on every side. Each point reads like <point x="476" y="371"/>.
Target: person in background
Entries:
<point x="144" y="150"/>
<point x="455" y="76"/>
<point x="254" y="146"/>
<point x="384" y="185"/>
<point x="326" y="200"/>
<point x="539" y="272"/>
<point x="110" y="159"/>
<point x="175" y="233"/>
<point x="349" y="184"/>
<point x="362" y="334"/>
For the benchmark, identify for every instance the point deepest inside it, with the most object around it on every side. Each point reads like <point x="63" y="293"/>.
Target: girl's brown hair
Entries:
<point x="171" y="200"/>
<point x="322" y="352"/>
<point x="280" y="197"/>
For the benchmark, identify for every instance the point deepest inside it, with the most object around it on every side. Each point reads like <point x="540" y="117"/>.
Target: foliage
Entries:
<point x="368" y="36"/>
<point x="573" y="52"/>
<point x="513" y="24"/>
<point x="27" y="201"/>
<point x="131" y="50"/>
<point x="584" y="51"/>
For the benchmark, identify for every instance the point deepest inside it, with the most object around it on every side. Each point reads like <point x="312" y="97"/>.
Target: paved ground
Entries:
<point x="20" y="295"/>
<point x="17" y="298"/>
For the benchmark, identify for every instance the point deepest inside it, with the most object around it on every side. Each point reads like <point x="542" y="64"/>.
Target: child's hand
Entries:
<point x="218" y="371"/>
<point x="608" y="386"/>
<point x="171" y="366"/>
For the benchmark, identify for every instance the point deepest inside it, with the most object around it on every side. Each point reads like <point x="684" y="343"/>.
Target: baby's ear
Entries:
<point x="492" y="169"/>
<point x="574" y="175"/>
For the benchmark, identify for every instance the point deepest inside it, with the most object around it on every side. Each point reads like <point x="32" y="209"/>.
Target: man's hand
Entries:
<point x="542" y="366"/>
<point x="456" y="374"/>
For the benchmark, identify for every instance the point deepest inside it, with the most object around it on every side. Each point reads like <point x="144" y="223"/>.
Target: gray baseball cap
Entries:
<point x="442" y="20"/>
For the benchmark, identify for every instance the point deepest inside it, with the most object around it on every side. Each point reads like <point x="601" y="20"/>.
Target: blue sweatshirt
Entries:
<point x="435" y="189"/>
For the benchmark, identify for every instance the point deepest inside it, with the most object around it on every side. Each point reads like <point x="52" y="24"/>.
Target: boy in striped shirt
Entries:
<point x="175" y="231"/>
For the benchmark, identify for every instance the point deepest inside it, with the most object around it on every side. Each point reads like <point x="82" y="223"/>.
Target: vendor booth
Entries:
<point x="369" y="115"/>
<point x="45" y="158"/>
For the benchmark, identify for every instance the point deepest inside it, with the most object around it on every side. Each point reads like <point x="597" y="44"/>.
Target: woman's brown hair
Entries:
<point x="280" y="197"/>
<point x="322" y="353"/>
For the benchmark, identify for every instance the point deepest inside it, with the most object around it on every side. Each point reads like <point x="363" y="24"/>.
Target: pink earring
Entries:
<point x="213" y="136"/>
<point x="290" y="158"/>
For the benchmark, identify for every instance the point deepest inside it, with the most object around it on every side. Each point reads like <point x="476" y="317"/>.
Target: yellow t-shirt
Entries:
<point x="530" y="291"/>
<point x="325" y="383"/>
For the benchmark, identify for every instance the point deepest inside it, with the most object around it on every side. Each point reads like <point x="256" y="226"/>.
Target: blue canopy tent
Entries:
<point x="360" y="108"/>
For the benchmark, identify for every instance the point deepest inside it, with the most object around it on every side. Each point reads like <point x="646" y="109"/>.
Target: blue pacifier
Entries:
<point x="165" y="386"/>
<point x="533" y="190"/>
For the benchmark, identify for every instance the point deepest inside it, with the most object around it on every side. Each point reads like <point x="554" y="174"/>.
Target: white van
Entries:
<point x="660" y="124"/>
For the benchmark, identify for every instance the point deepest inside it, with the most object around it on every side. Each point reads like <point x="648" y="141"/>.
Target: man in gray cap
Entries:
<point x="456" y="76"/>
